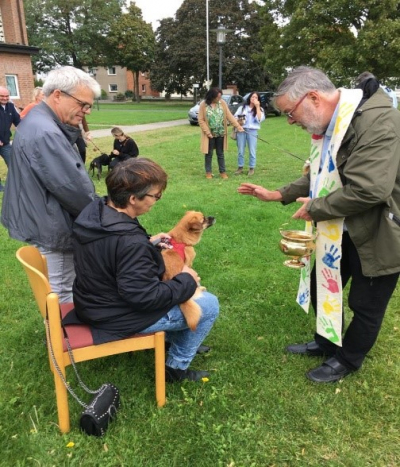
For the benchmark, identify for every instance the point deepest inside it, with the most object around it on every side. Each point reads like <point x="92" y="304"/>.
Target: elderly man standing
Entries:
<point x="352" y="196"/>
<point x="48" y="185"/>
<point x="8" y="116"/>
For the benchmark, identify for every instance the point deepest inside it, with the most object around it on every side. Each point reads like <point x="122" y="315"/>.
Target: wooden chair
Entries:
<point x="79" y="336"/>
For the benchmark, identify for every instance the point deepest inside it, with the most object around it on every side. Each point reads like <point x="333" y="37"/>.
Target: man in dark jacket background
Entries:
<point x="48" y="185"/>
<point x="8" y="116"/>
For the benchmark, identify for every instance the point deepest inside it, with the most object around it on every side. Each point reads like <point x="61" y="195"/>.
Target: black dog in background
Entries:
<point x="98" y="163"/>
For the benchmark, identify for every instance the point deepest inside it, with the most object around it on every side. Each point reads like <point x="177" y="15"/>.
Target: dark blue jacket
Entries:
<point x="8" y="117"/>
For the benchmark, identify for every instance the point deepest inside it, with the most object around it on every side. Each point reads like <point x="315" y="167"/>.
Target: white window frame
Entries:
<point x="111" y="71"/>
<point x="14" y="86"/>
<point x="112" y="90"/>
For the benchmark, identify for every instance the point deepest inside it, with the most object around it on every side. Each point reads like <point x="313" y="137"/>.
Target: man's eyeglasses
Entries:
<point x="84" y="105"/>
<point x="290" y="113"/>
<point x="156" y="197"/>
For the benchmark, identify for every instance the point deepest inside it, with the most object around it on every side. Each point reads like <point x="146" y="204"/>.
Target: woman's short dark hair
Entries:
<point x="212" y="94"/>
<point x="135" y="176"/>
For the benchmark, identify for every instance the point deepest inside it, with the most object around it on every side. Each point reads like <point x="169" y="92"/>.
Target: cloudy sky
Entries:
<point x="154" y="10"/>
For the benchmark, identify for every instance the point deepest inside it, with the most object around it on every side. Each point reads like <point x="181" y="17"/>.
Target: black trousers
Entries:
<point x="368" y="300"/>
<point x="217" y="144"/>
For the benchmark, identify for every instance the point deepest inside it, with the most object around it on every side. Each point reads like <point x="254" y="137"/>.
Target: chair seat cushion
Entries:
<point x="79" y="335"/>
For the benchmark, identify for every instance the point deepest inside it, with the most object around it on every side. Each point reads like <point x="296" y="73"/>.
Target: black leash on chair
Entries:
<point x="103" y="408"/>
<point x="276" y="147"/>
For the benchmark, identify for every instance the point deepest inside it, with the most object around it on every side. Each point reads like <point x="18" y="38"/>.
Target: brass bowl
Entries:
<point x="296" y="244"/>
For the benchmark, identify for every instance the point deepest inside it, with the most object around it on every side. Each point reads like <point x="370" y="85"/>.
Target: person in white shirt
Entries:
<point x="252" y="114"/>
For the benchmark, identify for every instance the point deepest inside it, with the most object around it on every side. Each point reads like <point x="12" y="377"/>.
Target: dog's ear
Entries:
<point x="196" y="221"/>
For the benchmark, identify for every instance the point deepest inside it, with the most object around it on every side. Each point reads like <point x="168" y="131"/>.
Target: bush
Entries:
<point x="119" y="97"/>
<point x="104" y="95"/>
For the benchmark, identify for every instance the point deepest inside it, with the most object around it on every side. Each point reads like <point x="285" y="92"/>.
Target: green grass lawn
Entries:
<point x="129" y="113"/>
<point x="257" y="409"/>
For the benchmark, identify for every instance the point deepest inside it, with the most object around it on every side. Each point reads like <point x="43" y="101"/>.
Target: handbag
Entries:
<point x="102" y="409"/>
<point x="234" y="133"/>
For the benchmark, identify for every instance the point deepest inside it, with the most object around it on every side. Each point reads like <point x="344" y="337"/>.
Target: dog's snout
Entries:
<point x="210" y="220"/>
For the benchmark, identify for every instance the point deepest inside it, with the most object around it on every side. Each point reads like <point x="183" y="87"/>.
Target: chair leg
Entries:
<point x="62" y="403"/>
<point x="159" y="351"/>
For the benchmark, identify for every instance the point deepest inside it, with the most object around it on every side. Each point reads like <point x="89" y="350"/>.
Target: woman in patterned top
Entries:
<point x="213" y="120"/>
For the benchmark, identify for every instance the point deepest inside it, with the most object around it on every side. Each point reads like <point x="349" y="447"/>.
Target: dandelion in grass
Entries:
<point x="205" y="380"/>
<point x="70" y="444"/>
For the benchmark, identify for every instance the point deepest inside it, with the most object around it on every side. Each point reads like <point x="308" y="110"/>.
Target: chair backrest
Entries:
<point x="35" y="266"/>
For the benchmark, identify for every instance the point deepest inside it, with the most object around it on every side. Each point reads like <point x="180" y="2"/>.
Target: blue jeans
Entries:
<point x="184" y="342"/>
<point x="61" y="270"/>
<point x="250" y="137"/>
<point x="5" y="153"/>
<point x="216" y="143"/>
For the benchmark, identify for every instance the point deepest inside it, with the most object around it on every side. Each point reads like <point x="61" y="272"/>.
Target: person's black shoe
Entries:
<point x="173" y="375"/>
<point x="311" y="349"/>
<point x="330" y="371"/>
<point x="202" y="348"/>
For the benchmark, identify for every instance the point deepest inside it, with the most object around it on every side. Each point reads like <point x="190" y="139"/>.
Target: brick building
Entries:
<point x="15" y="53"/>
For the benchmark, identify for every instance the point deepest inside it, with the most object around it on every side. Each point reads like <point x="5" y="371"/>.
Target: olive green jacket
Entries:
<point x="368" y="162"/>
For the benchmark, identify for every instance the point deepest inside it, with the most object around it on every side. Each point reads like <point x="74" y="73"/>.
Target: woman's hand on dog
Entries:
<point x="193" y="273"/>
<point x="161" y="236"/>
<point x="259" y="192"/>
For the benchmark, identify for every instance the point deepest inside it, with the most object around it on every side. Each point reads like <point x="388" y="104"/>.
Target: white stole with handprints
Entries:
<point x="324" y="179"/>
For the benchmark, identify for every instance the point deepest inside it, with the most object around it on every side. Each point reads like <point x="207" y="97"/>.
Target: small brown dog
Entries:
<point x="184" y="236"/>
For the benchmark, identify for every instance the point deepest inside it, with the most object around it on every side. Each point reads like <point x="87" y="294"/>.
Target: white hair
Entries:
<point x="68" y="78"/>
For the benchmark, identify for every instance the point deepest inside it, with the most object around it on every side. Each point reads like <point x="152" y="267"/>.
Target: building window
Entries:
<point x="12" y="86"/>
<point x="113" y="87"/>
<point x="112" y="71"/>
<point x="143" y="88"/>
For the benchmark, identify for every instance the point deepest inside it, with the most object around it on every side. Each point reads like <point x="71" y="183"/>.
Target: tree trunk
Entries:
<point x="137" y="90"/>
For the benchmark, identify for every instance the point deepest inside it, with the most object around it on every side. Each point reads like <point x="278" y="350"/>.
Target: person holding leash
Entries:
<point x="214" y="115"/>
<point x="252" y="114"/>
<point x="124" y="147"/>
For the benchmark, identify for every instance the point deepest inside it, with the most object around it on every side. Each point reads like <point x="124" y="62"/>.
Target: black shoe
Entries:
<point x="330" y="371"/>
<point x="173" y="375"/>
<point x="200" y="350"/>
<point x="311" y="349"/>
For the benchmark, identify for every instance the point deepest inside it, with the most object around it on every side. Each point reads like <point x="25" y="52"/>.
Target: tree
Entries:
<point x="70" y="32"/>
<point x="133" y="42"/>
<point x="181" y="47"/>
<point x="342" y="38"/>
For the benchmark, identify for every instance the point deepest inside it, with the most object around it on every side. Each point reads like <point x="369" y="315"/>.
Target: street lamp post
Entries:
<point x="221" y="39"/>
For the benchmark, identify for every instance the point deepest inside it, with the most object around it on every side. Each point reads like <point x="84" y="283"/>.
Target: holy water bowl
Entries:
<point x="296" y="244"/>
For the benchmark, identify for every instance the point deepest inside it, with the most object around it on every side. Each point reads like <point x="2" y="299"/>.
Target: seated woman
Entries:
<point x="124" y="147"/>
<point x="118" y="289"/>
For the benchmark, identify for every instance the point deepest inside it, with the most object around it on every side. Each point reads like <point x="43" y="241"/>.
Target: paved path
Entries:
<point x="137" y="128"/>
